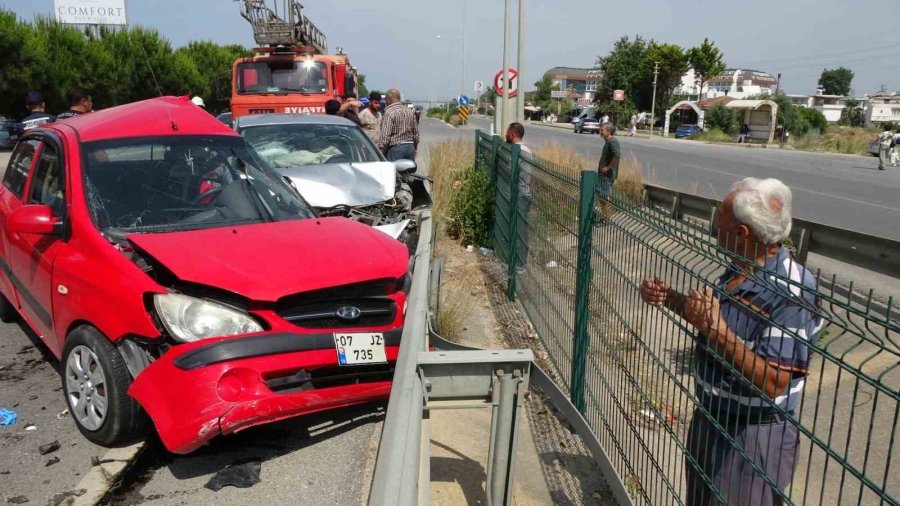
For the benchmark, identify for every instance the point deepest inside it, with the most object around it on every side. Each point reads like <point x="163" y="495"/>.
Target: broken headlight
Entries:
<point x="190" y="319"/>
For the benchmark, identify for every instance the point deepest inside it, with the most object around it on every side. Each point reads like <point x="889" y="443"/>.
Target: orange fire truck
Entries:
<point x="291" y="71"/>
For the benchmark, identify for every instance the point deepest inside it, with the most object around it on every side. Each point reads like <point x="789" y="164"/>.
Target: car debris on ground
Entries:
<point x="241" y="474"/>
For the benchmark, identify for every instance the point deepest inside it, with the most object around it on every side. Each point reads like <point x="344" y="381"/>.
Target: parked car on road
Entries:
<point x="8" y="134"/>
<point x="225" y="118"/>
<point x="175" y="274"/>
<point x="588" y="124"/>
<point x="687" y="131"/>
<point x="340" y="171"/>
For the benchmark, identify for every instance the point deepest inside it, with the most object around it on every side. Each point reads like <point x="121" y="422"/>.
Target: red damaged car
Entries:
<point x="175" y="274"/>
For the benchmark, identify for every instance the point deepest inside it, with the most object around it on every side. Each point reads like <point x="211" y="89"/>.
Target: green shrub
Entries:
<point x="722" y="118"/>
<point x="472" y="209"/>
<point x="811" y="119"/>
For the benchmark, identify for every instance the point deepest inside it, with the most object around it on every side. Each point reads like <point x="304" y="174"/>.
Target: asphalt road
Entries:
<point x="840" y="190"/>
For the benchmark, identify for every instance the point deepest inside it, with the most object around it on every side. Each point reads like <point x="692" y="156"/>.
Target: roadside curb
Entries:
<point x="101" y="478"/>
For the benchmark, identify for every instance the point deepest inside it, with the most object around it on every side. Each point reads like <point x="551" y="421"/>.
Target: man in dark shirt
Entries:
<point x="34" y="100"/>
<point x="609" y="158"/>
<point x="79" y="103"/>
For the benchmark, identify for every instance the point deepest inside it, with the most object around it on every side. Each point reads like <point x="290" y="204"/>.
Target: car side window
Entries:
<point x="19" y="166"/>
<point x="47" y="185"/>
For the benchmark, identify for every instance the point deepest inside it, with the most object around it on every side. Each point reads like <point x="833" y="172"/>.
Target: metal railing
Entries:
<point x="576" y="257"/>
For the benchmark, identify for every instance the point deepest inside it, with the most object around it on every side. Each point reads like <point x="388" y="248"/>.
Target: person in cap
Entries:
<point x="80" y="102"/>
<point x="37" y="116"/>
<point x="198" y="101"/>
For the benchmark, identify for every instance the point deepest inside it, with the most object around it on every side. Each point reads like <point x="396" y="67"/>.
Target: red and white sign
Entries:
<point x="619" y="95"/>
<point x="513" y="83"/>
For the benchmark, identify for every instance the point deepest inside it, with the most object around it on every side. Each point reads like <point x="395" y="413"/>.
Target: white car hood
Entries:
<point x="349" y="184"/>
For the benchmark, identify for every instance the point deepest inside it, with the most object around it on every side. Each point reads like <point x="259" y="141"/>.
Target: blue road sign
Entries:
<point x="463" y="100"/>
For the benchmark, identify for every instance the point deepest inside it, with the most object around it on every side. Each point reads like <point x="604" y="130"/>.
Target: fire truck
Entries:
<point x="291" y="71"/>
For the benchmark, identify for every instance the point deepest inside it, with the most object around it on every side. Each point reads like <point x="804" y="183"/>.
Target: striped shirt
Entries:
<point x="398" y="126"/>
<point x="785" y="317"/>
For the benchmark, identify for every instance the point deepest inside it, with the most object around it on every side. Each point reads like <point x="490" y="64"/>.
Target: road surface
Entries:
<point x="840" y="190"/>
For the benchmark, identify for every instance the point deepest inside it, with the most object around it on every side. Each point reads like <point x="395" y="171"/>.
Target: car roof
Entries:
<point x="154" y="117"/>
<point x="291" y="119"/>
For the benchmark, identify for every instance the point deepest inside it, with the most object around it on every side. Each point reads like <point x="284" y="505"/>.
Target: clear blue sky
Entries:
<point x="393" y="41"/>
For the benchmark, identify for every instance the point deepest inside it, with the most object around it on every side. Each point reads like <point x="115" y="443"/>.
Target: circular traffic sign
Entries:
<point x="513" y="83"/>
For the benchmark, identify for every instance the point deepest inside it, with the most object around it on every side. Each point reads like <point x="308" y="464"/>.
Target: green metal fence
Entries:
<point x="576" y="258"/>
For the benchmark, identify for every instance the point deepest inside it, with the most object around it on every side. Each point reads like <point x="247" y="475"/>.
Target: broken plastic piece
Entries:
<point x="62" y="414"/>
<point x="30" y="427"/>
<point x="48" y="448"/>
<point x="8" y="417"/>
<point x="241" y="474"/>
<point x="52" y="461"/>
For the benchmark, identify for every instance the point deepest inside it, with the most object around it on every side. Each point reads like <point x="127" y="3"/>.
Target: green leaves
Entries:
<point x="707" y="61"/>
<point x="722" y="118"/>
<point x="115" y="66"/>
<point x="472" y="208"/>
<point x="836" y="81"/>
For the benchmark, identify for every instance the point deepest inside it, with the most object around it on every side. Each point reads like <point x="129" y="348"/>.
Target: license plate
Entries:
<point x="360" y="348"/>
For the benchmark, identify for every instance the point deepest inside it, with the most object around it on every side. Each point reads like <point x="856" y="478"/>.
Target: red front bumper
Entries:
<point x="197" y="391"/>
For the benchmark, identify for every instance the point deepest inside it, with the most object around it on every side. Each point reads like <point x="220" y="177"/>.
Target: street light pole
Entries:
<point x="449" y="64"/>
<point x="520" y="102"/>
<point x="462" y="73"/>
<point x="504" y="118"/>
<point x="653" y="104"/>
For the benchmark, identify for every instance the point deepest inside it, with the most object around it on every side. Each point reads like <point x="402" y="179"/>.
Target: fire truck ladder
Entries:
<point x="282" y="25"/>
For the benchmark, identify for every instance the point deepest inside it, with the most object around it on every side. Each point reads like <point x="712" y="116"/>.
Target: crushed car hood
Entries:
<point x="349" y="184"/>
<point x="267" y="261"/>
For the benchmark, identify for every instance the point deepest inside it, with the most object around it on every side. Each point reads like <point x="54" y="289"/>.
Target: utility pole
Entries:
<point x="520" y="102"/>
<point x="504" y="119"/>
<point x="653" y="104"/>
<point x="462" y="72"/>
<point x="778" y="84"/>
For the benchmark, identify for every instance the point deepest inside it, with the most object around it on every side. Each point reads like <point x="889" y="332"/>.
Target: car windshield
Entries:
<point x="282" y="76"/>
<point x="172" y="183"/>
<point x="294" y="145"/>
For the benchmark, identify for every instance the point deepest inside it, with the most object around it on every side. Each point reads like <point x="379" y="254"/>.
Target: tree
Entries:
<point x="361" y="85"/>
<point x="673" y="63"/>
<point x="624" y="68"/>
<point x="836" y="81"/>
<point x="722" y="118"/>
<point x="707" y="62"/>
<point x="852" y="115"/>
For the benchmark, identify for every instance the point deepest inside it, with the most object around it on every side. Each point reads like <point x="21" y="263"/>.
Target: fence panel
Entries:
<point x="642" y="365"/>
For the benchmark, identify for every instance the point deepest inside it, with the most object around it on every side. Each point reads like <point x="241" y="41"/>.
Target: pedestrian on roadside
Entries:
<point x="751" y="352"/>
<point x="37" y="116"/>
<point x="79" y="103"/>
<point x="885" y="139"/>
<point x="399" y="138"/>
<point x="351" y="108"/>
<point x="895" y="152"/>
<point x="515" y="135"/>
<point x="633" y="125"/>
<point x="608" y="168"/>
<point x="744" y="135"/>
<point x="370" y="117"/>
<point x="198" y="101"/>
<point x="604" y="119"/>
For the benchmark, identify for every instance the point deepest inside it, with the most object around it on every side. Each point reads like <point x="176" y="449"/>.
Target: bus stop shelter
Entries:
<point x="760" y="115"/>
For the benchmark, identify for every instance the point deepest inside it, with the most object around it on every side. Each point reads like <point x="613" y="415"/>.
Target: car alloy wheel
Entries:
<point x="86" y="388"/>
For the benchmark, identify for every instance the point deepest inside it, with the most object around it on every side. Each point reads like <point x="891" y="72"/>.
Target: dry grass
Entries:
<point x="462" y="274"/>
<point x="630" y="183"/>
<point x="563" y="158"/>
<point x="846" y="140"/>
<point x="445" y="161"/>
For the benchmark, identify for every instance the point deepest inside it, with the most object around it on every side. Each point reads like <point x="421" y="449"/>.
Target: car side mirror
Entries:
<point x="405" y="166"/>
<point x="34" y="219"/>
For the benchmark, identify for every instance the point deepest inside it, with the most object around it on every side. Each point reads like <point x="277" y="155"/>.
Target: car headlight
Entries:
<point x="190" y="319"/>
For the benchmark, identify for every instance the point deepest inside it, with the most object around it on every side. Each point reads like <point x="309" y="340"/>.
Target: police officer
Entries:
<point x="34" y="100"/>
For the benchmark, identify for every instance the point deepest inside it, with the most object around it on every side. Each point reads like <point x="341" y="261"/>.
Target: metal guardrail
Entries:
<point x="425" y="381"/>
<point x="877" y="254"/>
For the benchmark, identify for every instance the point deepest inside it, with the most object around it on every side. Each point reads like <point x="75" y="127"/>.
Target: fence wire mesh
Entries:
<point x="806" y="411"/>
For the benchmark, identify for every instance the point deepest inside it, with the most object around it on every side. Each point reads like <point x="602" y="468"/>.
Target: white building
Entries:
<point x="741" y="84"/>
<point x="690" y="85"/>
<point x="882" y="108"/>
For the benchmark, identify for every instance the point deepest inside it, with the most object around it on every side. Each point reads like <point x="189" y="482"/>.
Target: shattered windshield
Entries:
<point x="164" y="184"/>
<point x="296" y="145"/>
<point x="282" y="76"/>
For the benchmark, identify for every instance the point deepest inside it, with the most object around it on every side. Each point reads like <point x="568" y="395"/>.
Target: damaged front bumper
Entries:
<point x="199" y="390"/>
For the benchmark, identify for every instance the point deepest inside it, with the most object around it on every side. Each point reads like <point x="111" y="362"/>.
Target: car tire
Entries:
<point x="8" y="313"/>
<point x="123" y="420"/>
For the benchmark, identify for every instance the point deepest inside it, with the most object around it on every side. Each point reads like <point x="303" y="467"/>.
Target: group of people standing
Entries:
<point x="395" y="131"/>
<point x="888" y="148"/>
<point x="79" y="103"/>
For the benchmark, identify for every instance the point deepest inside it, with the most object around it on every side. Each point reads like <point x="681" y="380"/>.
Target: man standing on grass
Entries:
<point x="751" y="352"/>
<point x="399" y="138"/>
<point x="609" y="158"/>
<point x="514" y="135"/>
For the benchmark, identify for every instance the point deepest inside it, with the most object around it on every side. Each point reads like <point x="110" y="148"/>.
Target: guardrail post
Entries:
<point x="589" y="180"/>
<point x="513" y="260"/>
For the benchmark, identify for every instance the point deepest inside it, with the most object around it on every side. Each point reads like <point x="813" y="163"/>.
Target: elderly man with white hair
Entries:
<point x="751" y="354"/>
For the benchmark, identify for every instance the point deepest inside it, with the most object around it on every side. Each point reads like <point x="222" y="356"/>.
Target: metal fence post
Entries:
<point x="515" y="169"/>
<point x="495" y="155"/>
<point x="589" y="180"/>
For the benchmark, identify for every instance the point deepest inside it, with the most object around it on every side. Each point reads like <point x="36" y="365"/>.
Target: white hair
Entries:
<point x="764" y="205"/>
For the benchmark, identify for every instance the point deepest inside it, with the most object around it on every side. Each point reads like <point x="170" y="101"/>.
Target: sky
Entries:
<point x="395" y="44"/>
